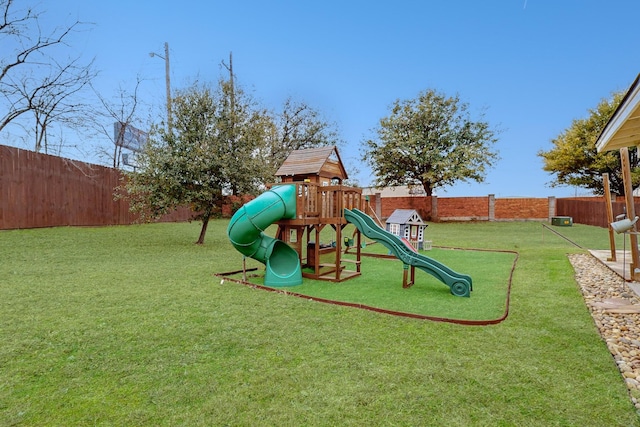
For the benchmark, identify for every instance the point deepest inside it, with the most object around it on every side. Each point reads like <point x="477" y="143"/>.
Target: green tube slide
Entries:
<point x="246" y="233"/>
<point x="459" y="284"/>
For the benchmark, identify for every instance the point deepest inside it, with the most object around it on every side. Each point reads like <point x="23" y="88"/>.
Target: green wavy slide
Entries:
<point x="459" y="284"/>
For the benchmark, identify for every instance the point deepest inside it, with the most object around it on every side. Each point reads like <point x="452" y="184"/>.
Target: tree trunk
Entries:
<point x="203" y="230"/>
<point x="427" y="189"/>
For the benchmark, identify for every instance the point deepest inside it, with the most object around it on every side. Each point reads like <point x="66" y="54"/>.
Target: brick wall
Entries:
<point x="521" y="208"/>
<point x="462" y="208"/>
<point x="486" y="208"/>
<point x="421" y="204"/>
<point x="233" y="203"/>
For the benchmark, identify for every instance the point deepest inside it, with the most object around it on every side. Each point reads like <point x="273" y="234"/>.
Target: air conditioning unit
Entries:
<point x="562" y="221"/>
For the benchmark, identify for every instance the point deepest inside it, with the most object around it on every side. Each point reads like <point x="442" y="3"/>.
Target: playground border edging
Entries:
<point x="464" y="322"/>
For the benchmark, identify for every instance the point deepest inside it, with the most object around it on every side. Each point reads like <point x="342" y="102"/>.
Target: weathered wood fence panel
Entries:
<point x="591" y="210"/>
<point x="40" y="190"/>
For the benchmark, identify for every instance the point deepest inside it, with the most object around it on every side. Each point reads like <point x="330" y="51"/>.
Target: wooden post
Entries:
<point x="631" y="211"/>
<point x="338" y="251"/>
<point x="408" y="282"/>
<point x="316" y="252"/>
<point x="607" y="198"/>
<point x="405" y="270"/>
<point x="244" y="268"/>
<point x="358" y="250"/>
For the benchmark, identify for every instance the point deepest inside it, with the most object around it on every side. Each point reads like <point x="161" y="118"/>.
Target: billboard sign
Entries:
<point x="129" y="159"/>
<point x="127" y="136"/>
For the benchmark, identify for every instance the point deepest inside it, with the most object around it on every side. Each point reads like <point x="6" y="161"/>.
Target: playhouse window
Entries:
<point x="394" y="229"/>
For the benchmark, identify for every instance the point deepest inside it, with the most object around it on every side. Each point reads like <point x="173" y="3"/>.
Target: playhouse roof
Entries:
<point x="313" y="161"/>
<point x="405" y="216"/>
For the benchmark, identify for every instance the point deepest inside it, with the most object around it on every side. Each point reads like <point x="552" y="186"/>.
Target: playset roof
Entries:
<point x="313" y="161"/>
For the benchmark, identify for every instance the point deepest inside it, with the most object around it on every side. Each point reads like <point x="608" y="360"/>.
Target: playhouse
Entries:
<point x="407" y="224"/>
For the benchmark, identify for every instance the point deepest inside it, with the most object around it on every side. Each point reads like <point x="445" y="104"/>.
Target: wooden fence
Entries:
<point x="591" y="210"/>
<point x="39" y="190"/>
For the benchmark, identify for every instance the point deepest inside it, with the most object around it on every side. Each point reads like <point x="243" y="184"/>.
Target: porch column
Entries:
<point x="631" y="211"/>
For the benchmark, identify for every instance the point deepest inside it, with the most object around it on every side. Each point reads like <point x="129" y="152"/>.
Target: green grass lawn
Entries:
<point x="129" y="326"/>
<point x="380" y="285"/>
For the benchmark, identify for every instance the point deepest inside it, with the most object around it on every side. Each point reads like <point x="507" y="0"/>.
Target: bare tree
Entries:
<point x="31" y="79"/>
<point x="124" y="110"/>
<point x="56" y="100"/>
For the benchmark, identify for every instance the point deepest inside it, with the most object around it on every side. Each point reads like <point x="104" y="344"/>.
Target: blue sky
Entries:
<point x="534" y="65"/>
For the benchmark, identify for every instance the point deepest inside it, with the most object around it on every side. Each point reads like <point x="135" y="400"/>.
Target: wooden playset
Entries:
<point x="318" y="174"/>
<point x="309" y="197"/>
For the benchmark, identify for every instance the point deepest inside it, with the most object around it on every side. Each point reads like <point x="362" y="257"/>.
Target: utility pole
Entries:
<point x="232" y="110"/>
<point x="231" y="78"/>
<point x="167" y="80"/>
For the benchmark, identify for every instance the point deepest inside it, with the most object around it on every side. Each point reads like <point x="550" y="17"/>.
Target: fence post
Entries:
<point x="552" y="207"/>
<point x="492" y="207"/>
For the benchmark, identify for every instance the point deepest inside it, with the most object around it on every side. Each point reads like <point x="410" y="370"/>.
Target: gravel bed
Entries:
<point x="616" y="311"/>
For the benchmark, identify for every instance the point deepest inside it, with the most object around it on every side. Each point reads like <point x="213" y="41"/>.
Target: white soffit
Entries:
<point x="623" y="129"/>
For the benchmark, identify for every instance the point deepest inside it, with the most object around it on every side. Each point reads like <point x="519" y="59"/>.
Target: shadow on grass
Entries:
<point x="379" y="288"/>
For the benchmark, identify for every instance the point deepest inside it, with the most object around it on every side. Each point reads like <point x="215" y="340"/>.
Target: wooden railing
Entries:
<point x="326" y="201"/>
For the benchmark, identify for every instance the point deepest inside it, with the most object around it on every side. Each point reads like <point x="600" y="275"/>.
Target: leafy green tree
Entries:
<point x="296" y="126"/>
<point x="430" y="141"/>
<point x="574" y="158"/>
<point x="242" y="130"/>
<point x="208" y="152"/>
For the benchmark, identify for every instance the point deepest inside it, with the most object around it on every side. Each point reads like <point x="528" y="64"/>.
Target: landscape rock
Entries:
<point x="615" y="309"/>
